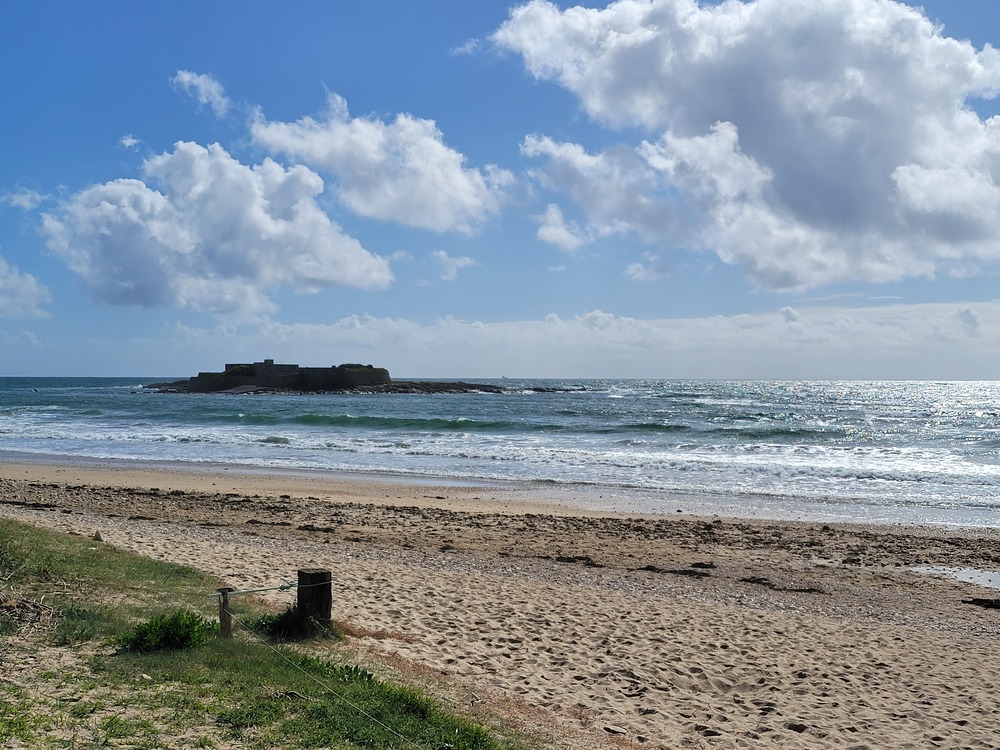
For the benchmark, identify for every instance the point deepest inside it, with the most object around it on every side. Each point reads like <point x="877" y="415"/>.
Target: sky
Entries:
<point x="643" y="189"/>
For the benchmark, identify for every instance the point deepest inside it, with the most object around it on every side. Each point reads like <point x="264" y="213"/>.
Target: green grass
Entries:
<point x="291" y="625"/>
<point x="274" y="695"/>
<point x="16" y="719"/>
<point x="98" y="589"/>
<point x="179" y="630"/>
<point x="209" y="691"/>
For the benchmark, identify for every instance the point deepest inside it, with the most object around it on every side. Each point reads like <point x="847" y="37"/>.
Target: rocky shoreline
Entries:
<point x="394" y="386"/>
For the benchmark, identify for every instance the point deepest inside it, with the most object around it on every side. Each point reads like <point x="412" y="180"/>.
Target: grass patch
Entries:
<point x="156" y="690"/>
<point x="98" y="590"/>
<point x="180" y="630"/>
<point x="292" y="625"/>
<point x="16" y="719"/>
<point x="278" y="697"/>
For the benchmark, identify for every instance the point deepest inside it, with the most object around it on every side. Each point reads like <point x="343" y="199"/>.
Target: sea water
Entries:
<point x="914" y="452"/>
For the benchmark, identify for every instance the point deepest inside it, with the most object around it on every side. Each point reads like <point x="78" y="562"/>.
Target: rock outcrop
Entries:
<point x="267" y="376"/>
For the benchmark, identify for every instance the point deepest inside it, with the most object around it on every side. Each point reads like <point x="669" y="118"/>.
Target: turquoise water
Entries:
<point x="885" y="451"/>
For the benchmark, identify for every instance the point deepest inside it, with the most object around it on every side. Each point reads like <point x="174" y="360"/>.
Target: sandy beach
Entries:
<point x="659" y="632"/>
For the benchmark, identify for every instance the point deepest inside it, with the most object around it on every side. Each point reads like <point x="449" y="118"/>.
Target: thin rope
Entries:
<point x="326" y="687"/>
<point x="285" y="586"/>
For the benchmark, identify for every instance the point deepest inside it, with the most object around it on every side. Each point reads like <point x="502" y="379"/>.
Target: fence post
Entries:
<point x="225" y="619"/>
<point x="315" y="595"/>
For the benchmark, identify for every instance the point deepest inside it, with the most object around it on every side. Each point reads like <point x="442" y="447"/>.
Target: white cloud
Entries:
<point x="790" y="314"/>
<point x="556" y="231"/>
<point x="650" y="268"/>
<point x="970" y="319"/>
<point x="128" y="141"/>
<point x="400" y="171"/>
<point x="206" y="232"/>
<point x="451" y="265"/>
<point x="469" y="47"/>
<point x="21" y="294"/>
<point x="205" y="89"/>
<point x="24" y="199"/>
<point x="808" y="141"/>
<point x="892" y="342"/>
<point x="616" y="189"/>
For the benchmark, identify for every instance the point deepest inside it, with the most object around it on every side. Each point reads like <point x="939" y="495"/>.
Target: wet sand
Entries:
<point x="669" y="631"/>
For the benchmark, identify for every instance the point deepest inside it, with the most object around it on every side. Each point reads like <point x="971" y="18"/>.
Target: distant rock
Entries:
<point x="430" y="386"/>
<point x="268" y="377"/>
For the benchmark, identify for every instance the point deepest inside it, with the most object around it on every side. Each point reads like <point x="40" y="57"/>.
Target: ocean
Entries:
<point x="887" y="452"/>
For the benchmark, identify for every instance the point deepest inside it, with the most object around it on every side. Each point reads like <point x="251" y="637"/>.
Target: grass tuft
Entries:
<point x="180" y="630"/>
<point x="292" y="625"/>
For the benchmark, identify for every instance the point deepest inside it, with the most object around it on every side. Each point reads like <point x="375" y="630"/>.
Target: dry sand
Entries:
<point x="670" y="632"/>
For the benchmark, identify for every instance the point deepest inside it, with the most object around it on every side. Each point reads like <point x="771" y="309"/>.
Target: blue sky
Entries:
<point x="663" y="189"/>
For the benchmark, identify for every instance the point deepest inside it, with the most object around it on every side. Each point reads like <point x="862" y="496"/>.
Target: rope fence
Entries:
<point x="315" y="599"/>
<point x="283" y="586"/>
<point x="328" y="688"/>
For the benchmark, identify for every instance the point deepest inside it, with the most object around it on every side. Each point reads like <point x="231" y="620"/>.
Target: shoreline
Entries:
<point x="508" y="495"/>
<point x="333" y="485"/>
<point x="653" y="632"/>
<point x="331" y="488"/>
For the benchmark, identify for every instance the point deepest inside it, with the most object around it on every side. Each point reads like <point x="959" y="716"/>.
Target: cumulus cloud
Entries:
<point x="400" y="171"/>
<point x="890" y="341"/>
<point x="21" y="294"/>
<point x="204" y="231"/>
<point x="790" y="314"/>
<point x="128" y="141"/>
<point x="808" y="141"/>
<point x="451" y="265"/>
<point x="555" y="230"/>
<point x="970" y="320"/>
<point x="24" y="199"/>
<point x="650" y="268"/>
<point x="616" y="189"/>
<point x="205" y="89"/>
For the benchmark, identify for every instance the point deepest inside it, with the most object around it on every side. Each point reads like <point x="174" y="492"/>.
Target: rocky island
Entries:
<point x="267" y="376"/>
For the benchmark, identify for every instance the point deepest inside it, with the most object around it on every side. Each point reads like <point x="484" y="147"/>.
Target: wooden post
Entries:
<point x="225" y="619"/>
<point x="315" y="595"/>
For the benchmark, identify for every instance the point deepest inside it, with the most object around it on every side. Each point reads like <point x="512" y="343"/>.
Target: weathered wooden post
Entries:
<point x="315" y="596"/>
<point x="225" y="618"/>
